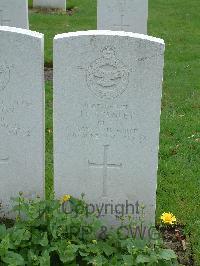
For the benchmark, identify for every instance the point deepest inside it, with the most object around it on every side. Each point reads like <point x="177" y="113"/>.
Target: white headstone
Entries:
<point x="21" y="114"/>
<point x="14" y="13"/>
<point x="60" y="4"/>
<point x="124" y="15"/>
<point x="107" y="102"/>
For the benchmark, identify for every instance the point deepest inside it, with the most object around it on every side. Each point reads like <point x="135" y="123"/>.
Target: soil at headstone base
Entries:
<point x="175" y="239"/>
<point x="69" y="11"/>
<point x="48" y="73"/>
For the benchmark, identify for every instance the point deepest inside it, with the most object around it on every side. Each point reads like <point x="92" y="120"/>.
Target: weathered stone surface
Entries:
<point x="125" y="15"/>
<point x="21" y="114"/>
<point x="60" y="4"/>
<point x="14" y="13"/>
<point x="107" y="102"/>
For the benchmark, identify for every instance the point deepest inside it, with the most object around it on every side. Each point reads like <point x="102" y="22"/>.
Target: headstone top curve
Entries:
<point x="22" y="31"/>
<point x="109" y="33"/>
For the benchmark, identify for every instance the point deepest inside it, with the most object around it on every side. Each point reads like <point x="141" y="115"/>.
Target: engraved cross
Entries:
<point x="105" y="165"/>
<point x="122" y="24"/>
<point x="122" y="11"/>
<point x="1" y="18"/>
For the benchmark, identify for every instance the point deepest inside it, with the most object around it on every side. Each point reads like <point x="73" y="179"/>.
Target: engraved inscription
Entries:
<point x="100" y="121"/>
<point x="107" y="77"/>
<point x="3" y="21"/>
<point x="100" y="131"/>
<point x="104" y="111"/>
<point x="105" y="122"/>
<point x="4" y="76"/>
<point x="8" y="123"/>
<point x="105" y="166"/>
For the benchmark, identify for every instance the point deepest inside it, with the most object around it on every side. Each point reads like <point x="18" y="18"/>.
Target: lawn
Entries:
<point x="177" y="22"/>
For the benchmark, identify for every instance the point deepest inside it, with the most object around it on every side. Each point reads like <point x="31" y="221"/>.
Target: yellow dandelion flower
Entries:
<point x="65" y="198"/>
<point x="168" y="218"/>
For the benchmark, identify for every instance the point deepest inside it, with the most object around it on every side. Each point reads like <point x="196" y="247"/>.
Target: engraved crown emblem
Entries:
<point x="107" y="77"/>
<point x="4" y="76"/>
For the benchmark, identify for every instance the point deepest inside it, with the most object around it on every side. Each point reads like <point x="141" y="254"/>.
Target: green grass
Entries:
<point x="177" y="22"/>
<point x="49" y="138"/>
<point x="50" y="24"/>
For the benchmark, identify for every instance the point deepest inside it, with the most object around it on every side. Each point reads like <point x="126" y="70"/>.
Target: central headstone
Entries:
<point x="107" y="101"/>
<point x="122" y="15"/>
<point x="55" y="4"/>
<point x="21" y="114"/>
<point x="14" y="13"/>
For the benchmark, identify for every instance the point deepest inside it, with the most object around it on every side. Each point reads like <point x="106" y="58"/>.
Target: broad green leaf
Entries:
<point x="142" y="259"/>
<point x="19" y="235"/>
<point x="3" y="231"/>
<point x="13" y="259"/>
<point x="167" y="254"/>
<point x="128" y="259"/>
<point x="4" y="245"/>
<point x="45" y="259"/>
<point x="40" y="238"/>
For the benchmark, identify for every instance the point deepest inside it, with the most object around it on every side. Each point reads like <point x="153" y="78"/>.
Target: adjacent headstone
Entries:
<point x="14" y="13"/>
<point x="21" y="114"/>
<point x="55" y="4"/>
<point x="107" y="102"/>
<point x="122" y="15"/>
